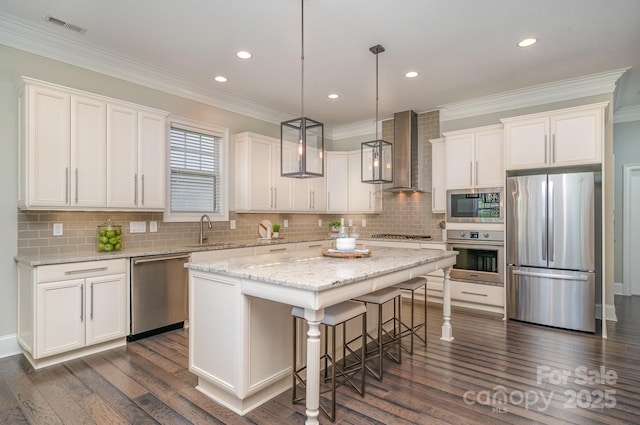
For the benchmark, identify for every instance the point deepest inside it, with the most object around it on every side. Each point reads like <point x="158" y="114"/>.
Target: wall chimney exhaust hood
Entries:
<point x="409" y="168"/>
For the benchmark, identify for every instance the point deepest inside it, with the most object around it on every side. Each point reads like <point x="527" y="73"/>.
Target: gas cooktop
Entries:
<point x="396" y="236"/>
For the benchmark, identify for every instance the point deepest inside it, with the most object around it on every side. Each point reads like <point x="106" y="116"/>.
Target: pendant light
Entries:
<point x="377" y="155"/>
<point x="302" y="139"/>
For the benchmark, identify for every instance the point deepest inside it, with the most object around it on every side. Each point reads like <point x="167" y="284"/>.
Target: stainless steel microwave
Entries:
<point x="484" y="205"/>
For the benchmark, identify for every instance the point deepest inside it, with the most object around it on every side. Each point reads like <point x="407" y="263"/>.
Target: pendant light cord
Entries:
<point x="302" y="61"/>
<point x="376" y="124"/>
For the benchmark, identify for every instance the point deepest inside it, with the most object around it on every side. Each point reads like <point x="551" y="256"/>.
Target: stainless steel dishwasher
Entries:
<point x="159" y="294"/>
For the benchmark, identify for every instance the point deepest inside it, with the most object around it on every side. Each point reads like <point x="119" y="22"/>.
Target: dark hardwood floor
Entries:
<point x="492" y="373"/>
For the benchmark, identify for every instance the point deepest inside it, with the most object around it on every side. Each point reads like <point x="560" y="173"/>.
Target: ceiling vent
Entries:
<point x="64" y="24"/>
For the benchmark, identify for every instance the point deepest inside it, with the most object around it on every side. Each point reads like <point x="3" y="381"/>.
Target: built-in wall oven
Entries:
<point x="480" y="255"/>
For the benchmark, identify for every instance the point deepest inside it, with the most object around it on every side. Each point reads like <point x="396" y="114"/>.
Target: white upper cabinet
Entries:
<point x="473" y="158"/>
<point x="337" y="182"/>
<point x="136" y="154"/>
<point x="259" y="186"/>
<point x="78" y="150"/>
<point x="566" y="137"/>
<point x="363" y="197"/>
<point x="438" y="176"/>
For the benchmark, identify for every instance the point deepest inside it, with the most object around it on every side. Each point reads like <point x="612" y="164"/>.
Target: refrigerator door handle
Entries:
<point x="551" y="220"/>
<point x="552" y="276"/>
<point x="543" y="229"/>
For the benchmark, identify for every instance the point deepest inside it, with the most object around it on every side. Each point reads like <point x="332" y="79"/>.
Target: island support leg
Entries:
<point x="447" y="330"/>
<point x="313" y="317"/>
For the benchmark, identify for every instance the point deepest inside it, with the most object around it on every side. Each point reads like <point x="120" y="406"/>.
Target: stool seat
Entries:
<point x="412" y="284"/>
<point x="380" y="296"/>
<point x="336" y="314"/>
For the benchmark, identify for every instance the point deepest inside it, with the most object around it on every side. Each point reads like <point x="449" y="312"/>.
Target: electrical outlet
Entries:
<point x="364" y="223"/>
<point x="137" y="226"/>
<point x="153" y="226"/>
<point x="350" y="222"/>
<point x="286" y="223"/>
<point x="57" y="229"/>
<point x="232" y="224"/>
<point x="319" y="222"/>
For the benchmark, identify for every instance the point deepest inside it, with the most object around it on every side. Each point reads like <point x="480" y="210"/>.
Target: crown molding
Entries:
<point x="19" y="35"/>
<point x="355" y="129"/>
<point x="627" y="114"/>
<point x="573" y="88"/>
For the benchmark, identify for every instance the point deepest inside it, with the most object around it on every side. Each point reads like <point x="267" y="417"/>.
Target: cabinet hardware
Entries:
<point x="91" y="313"/>
<point x="143" y="189"/>
<point x="434" y="290"/>
<point x="476" y="172"/>
<point x="545" y="148"/>
<point x="66" y="185"/>
<point x="551" y="276"/>
<point x="553" y="148"/>
<point x="77" y="185"/>
<point x="275" y="198"/>
<point x="314" y="246"/>
<point x="82" y="303"/>
<point x="370" y="195"/>
<point x="470" y="173"/>
<point x="96" y="269"/>
<point x="475" y="293"/>
<point x="135" y="192"/>
<point x="277" y="249"/>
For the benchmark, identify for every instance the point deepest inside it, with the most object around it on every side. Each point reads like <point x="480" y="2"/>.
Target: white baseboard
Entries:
<point x="9" y="345"/>
<point x="610" y="310"/>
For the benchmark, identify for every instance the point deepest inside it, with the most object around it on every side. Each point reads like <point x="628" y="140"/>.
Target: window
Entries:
<point x="198" y="172"/>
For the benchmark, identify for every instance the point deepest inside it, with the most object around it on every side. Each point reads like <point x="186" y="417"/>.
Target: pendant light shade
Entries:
<point x="377" y="155"/>
<point x="302" y="139"/>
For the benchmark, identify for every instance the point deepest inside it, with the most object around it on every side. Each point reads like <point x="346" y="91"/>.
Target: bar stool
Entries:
<point x="386" y="339"/>
<point x="412" y="329"/>
<point x="345" y="370"/>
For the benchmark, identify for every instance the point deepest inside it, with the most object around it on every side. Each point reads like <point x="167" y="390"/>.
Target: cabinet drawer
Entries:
<point x="266" y="249"/>
<point x="475" y="293"/>
<point x="312" y="245"/>
<point x="81" y="270"/>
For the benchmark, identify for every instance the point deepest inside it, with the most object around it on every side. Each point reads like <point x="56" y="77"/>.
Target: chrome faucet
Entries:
<point x="203" y="238"/>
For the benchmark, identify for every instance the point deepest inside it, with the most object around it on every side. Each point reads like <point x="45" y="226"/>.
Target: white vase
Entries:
<point x="276" y="235"/>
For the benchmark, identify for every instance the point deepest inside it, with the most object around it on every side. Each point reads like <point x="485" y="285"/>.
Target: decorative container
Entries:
<point x="109" y="237"/>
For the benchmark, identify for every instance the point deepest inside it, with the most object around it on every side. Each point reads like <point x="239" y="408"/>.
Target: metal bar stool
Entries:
<point x="343" y="371"/>
<point x="412" y="329"/>
<point x="386" y="339"/>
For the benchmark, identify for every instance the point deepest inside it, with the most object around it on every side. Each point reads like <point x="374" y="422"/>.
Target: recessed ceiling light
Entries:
<point x="243" y="54"/>
<point x="333" y="96"/>
<point x="527" y="42"/>
<point x="221" y="78"/>
<point x="411" y="74"/>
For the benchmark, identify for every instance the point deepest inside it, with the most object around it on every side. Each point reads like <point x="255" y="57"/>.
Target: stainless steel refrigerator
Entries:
<point x="551" y="249"/>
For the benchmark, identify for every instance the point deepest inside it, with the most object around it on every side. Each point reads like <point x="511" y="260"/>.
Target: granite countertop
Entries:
<point x="40" y="260"/>
<point x="310" y="270"/>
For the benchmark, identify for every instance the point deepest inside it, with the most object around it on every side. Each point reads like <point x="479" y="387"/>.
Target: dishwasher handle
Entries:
<point x="141" y="260"/>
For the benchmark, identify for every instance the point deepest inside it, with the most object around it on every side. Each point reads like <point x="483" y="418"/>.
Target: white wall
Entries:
<point x="16" y="63"/>
<point x="626" y="150"/>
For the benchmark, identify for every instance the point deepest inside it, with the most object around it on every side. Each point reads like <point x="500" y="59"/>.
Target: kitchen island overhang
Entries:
<point x="240" y="322"/>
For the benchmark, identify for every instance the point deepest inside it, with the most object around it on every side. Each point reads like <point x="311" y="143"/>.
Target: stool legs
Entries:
<point x="412" y="329"/>
<point x="382" y="348"/>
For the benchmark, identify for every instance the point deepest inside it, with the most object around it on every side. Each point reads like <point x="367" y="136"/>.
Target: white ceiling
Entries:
<point x="463" y="49"/>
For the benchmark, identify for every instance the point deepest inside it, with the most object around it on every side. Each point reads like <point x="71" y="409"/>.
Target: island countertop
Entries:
<point x="311" y="270"/>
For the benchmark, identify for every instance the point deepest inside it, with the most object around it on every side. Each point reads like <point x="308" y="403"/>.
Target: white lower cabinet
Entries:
<point x="69" y="310"/>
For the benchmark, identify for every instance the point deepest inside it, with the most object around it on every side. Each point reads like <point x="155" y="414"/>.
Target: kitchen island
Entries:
<point x="240" y="315"/>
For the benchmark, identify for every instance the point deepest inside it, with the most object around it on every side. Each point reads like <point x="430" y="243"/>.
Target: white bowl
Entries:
<point x="346" y="244"/>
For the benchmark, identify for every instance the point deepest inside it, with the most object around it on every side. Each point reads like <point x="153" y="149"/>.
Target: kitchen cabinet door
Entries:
<point x="488" y="155"/>
<point x="459" y="160"/>
<point x="44" y="147"/>
<point x="526" y="143"/>
<point x="438" y="177"/>
<point x="363" y="197"/>
<point x="60" y="317"/>
<point x="106" y="306"/>
<point x="122" y="156"/>
<point x="577" y="137"/>
<point x="282" y="187"/>
<point x="152" y="161"/>
<point x="88" y="172"/>
<point x="337" y="182"/>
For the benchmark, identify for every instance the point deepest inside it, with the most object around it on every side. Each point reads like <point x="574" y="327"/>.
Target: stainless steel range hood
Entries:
<point x="409" y="170"/>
